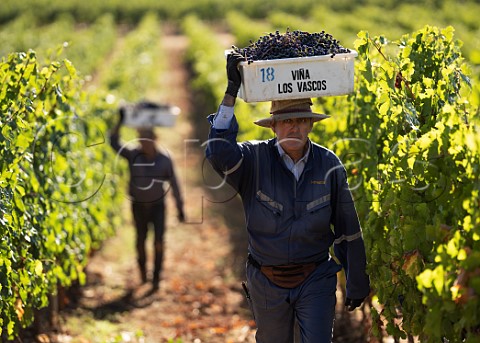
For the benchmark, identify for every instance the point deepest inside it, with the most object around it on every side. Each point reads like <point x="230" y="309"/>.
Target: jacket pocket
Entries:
<point x="318" y="204"/>
<point x="269" y="203"/>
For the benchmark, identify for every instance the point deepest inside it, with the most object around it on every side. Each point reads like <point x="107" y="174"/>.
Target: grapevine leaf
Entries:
<point x="70" y="68"/>
<point x="38" y="267"/>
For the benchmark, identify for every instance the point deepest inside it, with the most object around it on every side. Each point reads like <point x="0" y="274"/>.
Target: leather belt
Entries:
<point x="287" y="275"/>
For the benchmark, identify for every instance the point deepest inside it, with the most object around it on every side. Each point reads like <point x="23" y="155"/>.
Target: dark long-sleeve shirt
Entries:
<point x="150" y="180"/>
<point x="290" y="220"/>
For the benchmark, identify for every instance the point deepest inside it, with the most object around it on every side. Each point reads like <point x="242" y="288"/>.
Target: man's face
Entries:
<point x="147" y="144"/>
<point x="292" y="134"/>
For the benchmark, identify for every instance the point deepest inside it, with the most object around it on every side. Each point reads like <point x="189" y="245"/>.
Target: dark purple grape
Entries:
<point x="291" y="44"/>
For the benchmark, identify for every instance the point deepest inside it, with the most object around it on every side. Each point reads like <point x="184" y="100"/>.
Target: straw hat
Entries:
<point x="294" y="108"/>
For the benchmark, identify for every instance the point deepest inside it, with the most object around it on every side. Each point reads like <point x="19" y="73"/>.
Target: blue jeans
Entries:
<point x="312" y="305"/>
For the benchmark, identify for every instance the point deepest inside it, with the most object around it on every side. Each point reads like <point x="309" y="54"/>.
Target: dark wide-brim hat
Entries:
<point x="287" y="109"/>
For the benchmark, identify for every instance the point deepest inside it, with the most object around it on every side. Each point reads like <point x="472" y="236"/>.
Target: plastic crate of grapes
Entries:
<point x="299" y="77"/>
<point x="164" y="115"/>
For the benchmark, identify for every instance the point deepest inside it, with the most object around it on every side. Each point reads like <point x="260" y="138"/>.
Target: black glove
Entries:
<point x="352" y="304"/>
<point x="233" y="75"/>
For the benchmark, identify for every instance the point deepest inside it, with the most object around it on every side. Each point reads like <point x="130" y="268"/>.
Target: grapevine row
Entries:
<point x="419" y="183"/>
<point x="59" y="185"/>
<point x="56" y="203"/>
<point x="133" y="70"/>
<point x="63" y="36"/>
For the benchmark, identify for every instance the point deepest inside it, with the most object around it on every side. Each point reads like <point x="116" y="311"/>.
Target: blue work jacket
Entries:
<point x="290" y="221"/>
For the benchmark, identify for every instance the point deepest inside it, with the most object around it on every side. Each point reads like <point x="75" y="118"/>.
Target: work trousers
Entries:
<point x="145" y="214"/>
<point x="312" y="305"/>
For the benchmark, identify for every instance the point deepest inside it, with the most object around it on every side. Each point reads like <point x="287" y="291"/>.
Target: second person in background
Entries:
<point x="152" y="176"/>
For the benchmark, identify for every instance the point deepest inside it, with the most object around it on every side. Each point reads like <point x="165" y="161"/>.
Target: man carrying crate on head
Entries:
<point x="294" y="192"/>
<point x="152" y="176"/>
